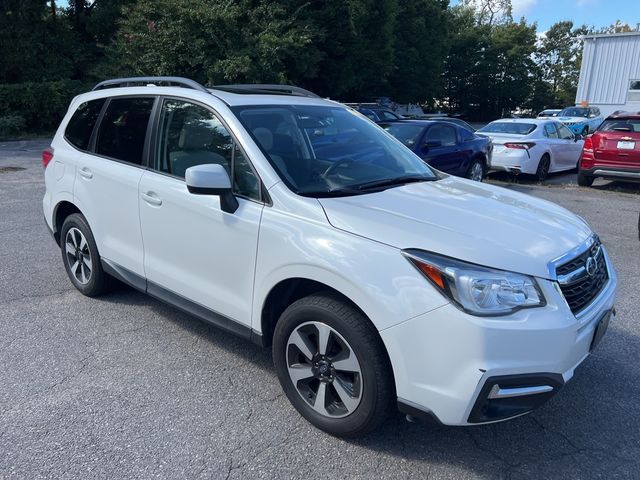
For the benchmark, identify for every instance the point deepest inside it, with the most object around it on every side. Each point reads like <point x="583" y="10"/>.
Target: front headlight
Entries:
<point x="476" y="289"/>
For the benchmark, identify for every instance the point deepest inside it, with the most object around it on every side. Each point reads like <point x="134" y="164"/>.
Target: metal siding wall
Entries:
<point x="608" y="65"/>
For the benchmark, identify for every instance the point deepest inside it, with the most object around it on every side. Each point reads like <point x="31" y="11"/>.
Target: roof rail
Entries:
<point x="266" y="89"/>
<point x="134" y="81"/>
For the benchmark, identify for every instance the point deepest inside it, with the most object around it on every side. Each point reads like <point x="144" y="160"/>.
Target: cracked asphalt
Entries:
<point x="124" y="386"/>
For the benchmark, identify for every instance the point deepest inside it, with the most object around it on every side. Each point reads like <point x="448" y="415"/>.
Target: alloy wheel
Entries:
<point x="477" y="172"/>
<point x="324" y="369"/>
<point x="78" y="255"/>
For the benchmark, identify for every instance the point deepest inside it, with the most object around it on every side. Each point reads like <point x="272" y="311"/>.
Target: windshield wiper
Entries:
<point x="390" y="182"/>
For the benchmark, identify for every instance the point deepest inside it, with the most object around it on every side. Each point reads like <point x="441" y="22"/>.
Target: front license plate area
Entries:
<point x="625" y="145"/>
<point x="600" y="330"/>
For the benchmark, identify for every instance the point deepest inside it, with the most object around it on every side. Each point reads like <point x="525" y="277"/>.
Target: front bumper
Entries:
<point x="446" y="361"/>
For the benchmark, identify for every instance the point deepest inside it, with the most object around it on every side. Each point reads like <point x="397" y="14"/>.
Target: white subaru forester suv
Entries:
<point x="297" y="223"/>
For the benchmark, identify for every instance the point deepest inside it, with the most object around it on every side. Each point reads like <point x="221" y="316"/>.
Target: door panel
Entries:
<point x="196" y="250"/>
<point x="107" y="188"/>
<point x="447" y="156"/>
<point x="193" y="248"/>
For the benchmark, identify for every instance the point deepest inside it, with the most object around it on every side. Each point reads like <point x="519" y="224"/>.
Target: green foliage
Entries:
<point x="41" y="105"/>
<point x="215" y="42"/>
<point x="559" y="57"/>
<point x="421" y="30"/>
<point x="489" y="70"/>
<point x="11" y="125"/>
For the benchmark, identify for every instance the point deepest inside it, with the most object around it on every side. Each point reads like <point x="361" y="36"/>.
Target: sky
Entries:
<point x="599" y="13"/>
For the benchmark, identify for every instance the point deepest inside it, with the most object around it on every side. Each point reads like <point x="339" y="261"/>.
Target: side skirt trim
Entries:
<point x="203" y="313"/>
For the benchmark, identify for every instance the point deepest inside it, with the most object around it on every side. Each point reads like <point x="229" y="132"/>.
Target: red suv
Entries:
<point x="613" y="151"/>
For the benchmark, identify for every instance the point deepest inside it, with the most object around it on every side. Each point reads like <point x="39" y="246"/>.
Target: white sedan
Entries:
<point x="534" y="146"/>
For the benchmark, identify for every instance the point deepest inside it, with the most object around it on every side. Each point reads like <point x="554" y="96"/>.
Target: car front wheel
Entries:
<point x="333" y="366"/>
<point x="476" y="170"/>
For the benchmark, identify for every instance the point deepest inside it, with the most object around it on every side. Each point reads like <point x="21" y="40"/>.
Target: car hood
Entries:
<point x="470" y="221"/>
<point x="572" y="119"/>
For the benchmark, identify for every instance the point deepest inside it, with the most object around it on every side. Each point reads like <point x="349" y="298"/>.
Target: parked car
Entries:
<point x="613" y="151"/>
<point x="457" y="121"/>
<point x="379" y="114"/>
<point x="582" y="120"/>
<point x="296" y="223"/>
<point x="533" y="146"/>
<point x="549" y="112"/>
<point x="445" y="146"/>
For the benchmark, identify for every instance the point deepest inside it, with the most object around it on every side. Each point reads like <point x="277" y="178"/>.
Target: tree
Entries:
<point x="489" y="70"/>
<point x="559" y="56"/>
<point x="490" y="12"/>
<point x="420" y="45"/>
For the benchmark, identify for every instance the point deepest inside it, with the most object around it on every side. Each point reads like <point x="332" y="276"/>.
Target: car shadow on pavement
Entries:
<point x="245" y="349"/>
<point x="591" y="427"/>
<point x="588" y="429"/>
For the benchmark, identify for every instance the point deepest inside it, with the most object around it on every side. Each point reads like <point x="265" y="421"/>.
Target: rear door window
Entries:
<point x="80" y="127"/>
<point x="123" y="129"/>
<point x="550" y="131"/>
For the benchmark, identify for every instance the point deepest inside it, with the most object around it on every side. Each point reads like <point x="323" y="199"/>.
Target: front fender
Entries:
<point x="375" y="276"/>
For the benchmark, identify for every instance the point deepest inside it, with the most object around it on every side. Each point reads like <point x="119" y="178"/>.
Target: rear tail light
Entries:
<point x="520" y="145"/>
<point x="588" y="145"/>
<point x="47" y="156"/>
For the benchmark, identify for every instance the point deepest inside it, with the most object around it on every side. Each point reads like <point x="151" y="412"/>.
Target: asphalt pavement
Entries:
<point x="124" y="386"/>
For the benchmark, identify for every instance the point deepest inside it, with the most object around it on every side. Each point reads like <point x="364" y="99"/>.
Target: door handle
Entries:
<point x="152" y="199"/>
<point x="85" y="172"/>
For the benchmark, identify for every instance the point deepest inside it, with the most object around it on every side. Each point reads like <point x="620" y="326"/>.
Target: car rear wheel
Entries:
<point x="585" y="180"/>
<point x="543" y="168"/>
<point x="81" y="258"/>
<point x="332" y="365"/>
<point x="585" y="131"/>
<point x="476" y="170"/>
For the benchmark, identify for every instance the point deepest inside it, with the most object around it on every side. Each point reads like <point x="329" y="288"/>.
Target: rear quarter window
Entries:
<point x="80" y="127"/>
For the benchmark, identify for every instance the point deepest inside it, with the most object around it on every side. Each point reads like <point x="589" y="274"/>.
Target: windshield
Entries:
<point x="329" y="151"/>
<point x="405" y="132"/>
<point x="510" y="128"/>
<point x="574" y="112"/>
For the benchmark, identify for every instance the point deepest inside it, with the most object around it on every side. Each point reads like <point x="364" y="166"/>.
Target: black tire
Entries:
<point x="585" y="180"/>
<point x="476" y="170"/>
<point x="377" y="387"/>
<point x="585" y="131"/>
<point x="543" y="168"/>
<point x="98" y="282"/>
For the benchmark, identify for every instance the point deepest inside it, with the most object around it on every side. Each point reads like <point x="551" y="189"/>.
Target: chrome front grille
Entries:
<point x="582" y="278"/>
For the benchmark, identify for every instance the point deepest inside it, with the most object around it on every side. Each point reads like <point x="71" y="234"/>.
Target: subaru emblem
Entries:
<point x="591" y="266"/>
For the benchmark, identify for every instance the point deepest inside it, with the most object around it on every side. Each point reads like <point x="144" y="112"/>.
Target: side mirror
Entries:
<point x="432" y="143"/>
<point x="212" y="179"/>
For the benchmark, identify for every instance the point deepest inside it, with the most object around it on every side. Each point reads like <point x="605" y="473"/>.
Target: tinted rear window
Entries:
<point x="510" y="128"/>
<point x="80" y="127"/>
<point x="123" y="129"/>
<point x="621" y="125"/>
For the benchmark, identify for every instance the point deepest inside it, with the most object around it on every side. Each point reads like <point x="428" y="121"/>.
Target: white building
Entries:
<point x="610" y="73"/>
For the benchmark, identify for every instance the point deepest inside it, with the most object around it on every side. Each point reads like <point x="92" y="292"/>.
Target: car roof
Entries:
<point x="537" y="121"/>
<point x="624" y="115"/>
<point x="232" y="95"/>
<point x="412" y="121"/>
